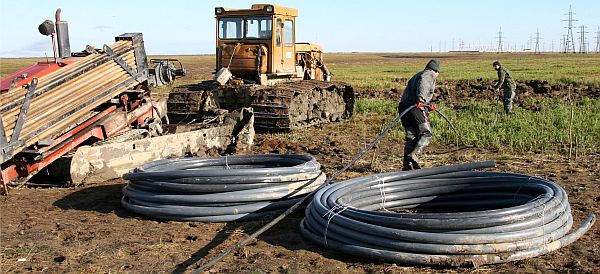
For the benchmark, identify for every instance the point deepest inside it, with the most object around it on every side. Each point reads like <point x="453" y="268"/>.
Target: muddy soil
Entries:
<point x="454" y="92"/>
<point x="84" y="229"/>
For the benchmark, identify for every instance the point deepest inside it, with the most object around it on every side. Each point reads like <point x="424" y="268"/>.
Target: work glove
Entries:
<point x="420" y="105"/>
<point x="431" y="107"/>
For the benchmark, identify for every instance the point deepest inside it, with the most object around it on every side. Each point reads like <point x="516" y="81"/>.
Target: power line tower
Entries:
<point x="569" y="42"/>
<point x="598" y="40"/>
<point x="499" y="50"/>
<point x="582" y="40"/>
<point x="537" y="41"/>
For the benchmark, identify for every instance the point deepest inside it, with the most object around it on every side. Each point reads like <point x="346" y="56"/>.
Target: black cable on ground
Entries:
<point x="231" y="188"/>
<point x="443" y="216"/>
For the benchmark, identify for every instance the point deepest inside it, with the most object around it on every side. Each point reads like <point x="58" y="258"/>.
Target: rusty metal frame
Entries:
<point x="8" y="147"/>
<point x="118" y="60"/>
<point x="69" y="138"/>
<point x="66" y="142"/>
<point x="29" y="161"/>
<point x="56" y="84"/>
<point x="99" y="126"/>
<point x="3" y="141"/>
<point x="88" y="103"/>
<point x="61" y="146"/>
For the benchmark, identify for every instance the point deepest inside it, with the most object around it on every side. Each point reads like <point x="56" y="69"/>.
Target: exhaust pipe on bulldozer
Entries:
<point x="62" y="36"/>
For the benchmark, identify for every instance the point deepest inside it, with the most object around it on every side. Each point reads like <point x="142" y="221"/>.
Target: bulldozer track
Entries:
<point x="282" y="107"/>
<point x="300" y="104"/>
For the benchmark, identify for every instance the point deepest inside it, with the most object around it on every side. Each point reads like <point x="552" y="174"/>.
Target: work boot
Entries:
<point x="419" y="147"/>
<point x="409" y="146"/>
<point x="414" y="161"/>
<point x="406" y="163"/>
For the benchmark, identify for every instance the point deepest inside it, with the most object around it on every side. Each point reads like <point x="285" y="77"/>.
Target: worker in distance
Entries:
<point x="505" y="82"/>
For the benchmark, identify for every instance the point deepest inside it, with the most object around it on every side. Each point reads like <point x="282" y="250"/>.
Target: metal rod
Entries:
<point x="66" y="96"/>
<point x="69" y="73"/>
<point x="54" y="105"/>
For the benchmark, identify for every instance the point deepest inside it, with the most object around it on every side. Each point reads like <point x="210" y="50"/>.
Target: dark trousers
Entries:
<point x="418" y="132"/>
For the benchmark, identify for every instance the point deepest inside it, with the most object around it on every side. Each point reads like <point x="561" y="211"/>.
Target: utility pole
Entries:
<point x="562" y="43"/>
<point x="582" y="40"/>
<point x="499" y="41"/>
<point x="598" y="40"/>
<point x="569" y="43"/>
<point x="537" y="41"/>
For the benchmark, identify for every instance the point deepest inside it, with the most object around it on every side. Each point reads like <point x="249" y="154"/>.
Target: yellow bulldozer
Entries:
<point x="259" y="64"/>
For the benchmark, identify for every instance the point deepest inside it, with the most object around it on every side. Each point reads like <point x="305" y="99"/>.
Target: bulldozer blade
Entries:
<point x="100" y="163"/>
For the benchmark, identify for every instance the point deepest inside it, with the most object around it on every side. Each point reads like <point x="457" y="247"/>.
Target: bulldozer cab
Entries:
<point x="258" y="43"/>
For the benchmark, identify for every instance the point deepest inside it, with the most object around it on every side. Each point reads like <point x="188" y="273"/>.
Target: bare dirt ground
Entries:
<point x="84" y="229"/>
<point x="452" y="91"/>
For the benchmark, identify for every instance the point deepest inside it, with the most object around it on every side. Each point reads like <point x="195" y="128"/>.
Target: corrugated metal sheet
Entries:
<point x="61" y="103"/>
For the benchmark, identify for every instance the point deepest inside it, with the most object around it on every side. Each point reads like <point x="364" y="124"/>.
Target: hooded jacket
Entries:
<point x="419" y="88"/>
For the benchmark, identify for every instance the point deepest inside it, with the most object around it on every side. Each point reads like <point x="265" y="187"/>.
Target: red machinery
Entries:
<point x="51" y="108"/>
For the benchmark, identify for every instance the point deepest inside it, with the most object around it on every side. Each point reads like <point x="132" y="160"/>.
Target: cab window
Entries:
<point x="278" y="33"/>
<point x="231" y="28"/>
<point x="288" y="30"/>
<point x="258" y="27"/>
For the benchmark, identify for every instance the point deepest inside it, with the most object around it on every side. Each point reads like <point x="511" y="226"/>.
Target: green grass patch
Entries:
<point x="379" y="70"/>
<point x="541" y="131"/>
<point x="379" y="106"/>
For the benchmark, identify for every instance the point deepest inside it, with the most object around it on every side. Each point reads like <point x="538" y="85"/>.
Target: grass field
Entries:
<point x="549" y="130"/>
<point x="378" y="70"/>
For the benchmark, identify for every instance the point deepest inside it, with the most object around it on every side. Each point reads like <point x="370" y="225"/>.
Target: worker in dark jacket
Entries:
<point x="505" y="82"/>
<point x="418" y="93"/>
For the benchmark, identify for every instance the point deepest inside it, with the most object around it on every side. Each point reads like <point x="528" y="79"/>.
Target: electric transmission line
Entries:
<point x="562" y="43"/>
<point x="537" y="41"/>
<point x="598" y="40"/>
<point x="582" y="40"/>
<point x="569" y="45"/>
<point x="499" y="50"/>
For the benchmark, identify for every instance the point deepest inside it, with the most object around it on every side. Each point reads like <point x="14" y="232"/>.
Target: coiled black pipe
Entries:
<point x="231" y="188"/>
<point x="462" y="218"/>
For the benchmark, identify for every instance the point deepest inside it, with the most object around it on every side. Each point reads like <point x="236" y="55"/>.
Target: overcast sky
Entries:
<point x="188" y="27"/>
